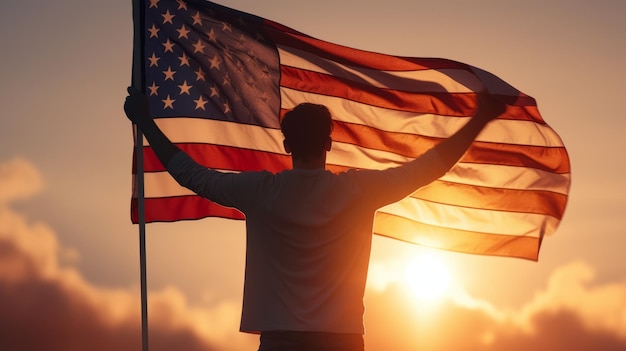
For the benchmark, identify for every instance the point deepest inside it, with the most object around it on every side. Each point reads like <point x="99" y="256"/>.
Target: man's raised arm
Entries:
<point x="452" y="149"/>
<point x="136" y="108"/>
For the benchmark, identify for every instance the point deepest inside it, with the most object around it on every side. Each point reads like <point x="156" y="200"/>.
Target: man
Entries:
<point x="309" y="231"/>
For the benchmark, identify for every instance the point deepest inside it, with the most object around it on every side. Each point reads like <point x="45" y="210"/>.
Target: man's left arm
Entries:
<point x="396" y="183"/>
<point x="453" y="148"/>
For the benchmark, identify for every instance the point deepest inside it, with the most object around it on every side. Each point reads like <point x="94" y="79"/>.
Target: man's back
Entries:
<point x="308" y="245"/>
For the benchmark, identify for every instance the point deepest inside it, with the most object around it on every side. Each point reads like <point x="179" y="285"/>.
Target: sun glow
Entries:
<point x="427" y="277"/>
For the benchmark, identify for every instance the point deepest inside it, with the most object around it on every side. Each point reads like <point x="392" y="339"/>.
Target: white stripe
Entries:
<point x="507" y="177"/>
<point x="161" y="184"/>
<point x="199" y="130"/>
<point x="483" y="175"/>
<point x="418" y="81"/>
<point x="498" y="131"/>
<point x="482" y="221"/>
<point x="353" y="156"/>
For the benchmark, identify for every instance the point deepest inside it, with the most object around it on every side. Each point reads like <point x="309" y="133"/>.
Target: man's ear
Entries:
<point x="286" y="146"/>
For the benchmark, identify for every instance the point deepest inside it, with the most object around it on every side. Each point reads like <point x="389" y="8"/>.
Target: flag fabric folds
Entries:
<point x="218" y="81"/>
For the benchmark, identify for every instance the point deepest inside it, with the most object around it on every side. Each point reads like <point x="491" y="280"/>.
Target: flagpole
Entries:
<point x="138" y="82"/>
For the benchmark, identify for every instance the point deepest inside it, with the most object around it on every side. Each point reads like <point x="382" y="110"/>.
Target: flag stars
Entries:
<point x="167" y="17"/>
<point x="250" y="80"/>
<point x="153" y="89"/>
<point x="216" y="61"/>
<point x="181" y="4"/>
<point x="183" y="32"/>
<point x="226" y="27"/>
<point x="169" y="46"/>
<point x="168" y="102"/>
<point x="214" y="91"/>
<point x="240" y="43"/>
<point x="154" y="60"/>
<point x="266" y="71"/>
<point x="154" y="3"/>
<point x="169" y="74"/>
<point x="212" y="36"/>
<point x="264" y="97"/>
<point x="184" y="88"/>
<point x="227" y="107"/>
<point x="197" y="19"/>
<point x="200" y="103"/>
<point x="184" y="60"/>
<point x="228" y="54"/>
<point x="154" y="31"/>
<point x="198" y="47"/>
<point x="239" y="66"/>
<point x="199" y="74"/>
<point x="226" y="79"/>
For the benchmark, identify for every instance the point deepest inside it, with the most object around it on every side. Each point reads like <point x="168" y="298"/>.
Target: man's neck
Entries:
<point x="315" y="163"/>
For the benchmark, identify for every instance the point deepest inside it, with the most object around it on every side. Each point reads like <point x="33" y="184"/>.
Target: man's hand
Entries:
<point x="489" y="108"/>
<point x="453" y="148"/>
<point x="136" y="107"/>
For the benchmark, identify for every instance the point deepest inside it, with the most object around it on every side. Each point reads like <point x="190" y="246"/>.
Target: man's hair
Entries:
<point x="306" y="129"/>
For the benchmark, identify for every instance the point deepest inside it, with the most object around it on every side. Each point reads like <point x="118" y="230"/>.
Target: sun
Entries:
<point x="427" y="277"/>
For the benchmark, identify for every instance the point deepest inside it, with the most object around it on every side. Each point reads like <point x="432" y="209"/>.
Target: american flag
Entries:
<point x="218" y="81"/>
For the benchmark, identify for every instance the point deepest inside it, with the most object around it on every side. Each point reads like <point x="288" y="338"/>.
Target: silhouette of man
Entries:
<point x="308" y="231"/>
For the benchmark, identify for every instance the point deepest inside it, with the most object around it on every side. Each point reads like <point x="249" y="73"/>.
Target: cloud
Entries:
<point x="19" y="180"/>
<point x="47" y="305"/>
<point x="599" y="307"/>
<point x="571" y="313"/>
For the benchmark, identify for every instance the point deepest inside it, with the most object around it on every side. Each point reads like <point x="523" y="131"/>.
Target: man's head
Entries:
<point x="307" y="131"/>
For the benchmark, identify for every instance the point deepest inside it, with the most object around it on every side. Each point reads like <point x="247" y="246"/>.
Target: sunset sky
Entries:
<point x="69" y="263"/>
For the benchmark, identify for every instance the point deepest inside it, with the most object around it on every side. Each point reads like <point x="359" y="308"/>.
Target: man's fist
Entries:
<point x="136" y="106"/>
<point x="489" y="107"/>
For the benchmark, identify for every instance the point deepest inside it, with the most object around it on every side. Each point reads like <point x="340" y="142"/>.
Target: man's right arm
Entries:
<point x="208" y="183"/>
<point x="136" y="108"/>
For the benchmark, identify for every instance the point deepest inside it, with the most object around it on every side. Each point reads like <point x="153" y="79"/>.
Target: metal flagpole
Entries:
<point x="138" y="82"/>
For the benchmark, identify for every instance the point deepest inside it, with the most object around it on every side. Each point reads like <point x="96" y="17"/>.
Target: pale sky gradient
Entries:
<point x="64" y="70"/>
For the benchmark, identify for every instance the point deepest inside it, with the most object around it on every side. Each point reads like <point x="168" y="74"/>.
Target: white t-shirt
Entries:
<point x="309" y="235"/>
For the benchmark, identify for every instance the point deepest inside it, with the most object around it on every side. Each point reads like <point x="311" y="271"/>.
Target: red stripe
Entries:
<point x="223" y="157"/>
<point x="170" y="209"/>
<point x="510" y="200"/>
<point x="549" y="159"/>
